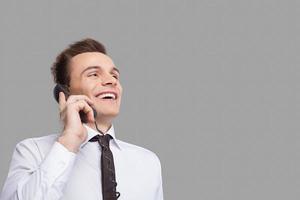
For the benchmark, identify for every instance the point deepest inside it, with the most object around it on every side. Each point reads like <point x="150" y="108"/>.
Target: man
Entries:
<point x="71" y="165"/>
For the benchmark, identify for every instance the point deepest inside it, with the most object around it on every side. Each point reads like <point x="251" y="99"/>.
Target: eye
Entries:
<point x="116" y="76"/>
<point x="93" y="74"/>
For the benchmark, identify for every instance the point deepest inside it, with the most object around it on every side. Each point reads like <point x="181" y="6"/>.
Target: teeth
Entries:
<point x="107" y="95"/>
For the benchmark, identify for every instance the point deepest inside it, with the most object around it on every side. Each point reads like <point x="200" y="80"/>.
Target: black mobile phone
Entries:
<point x="60" y="88"/>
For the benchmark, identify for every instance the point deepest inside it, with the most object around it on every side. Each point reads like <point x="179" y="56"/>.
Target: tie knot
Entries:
<point x="105" y="139"/>
<point x="102" y="139"/>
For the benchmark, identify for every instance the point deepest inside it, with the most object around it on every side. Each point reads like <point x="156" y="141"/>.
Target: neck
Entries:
<point x="102" y="124"/>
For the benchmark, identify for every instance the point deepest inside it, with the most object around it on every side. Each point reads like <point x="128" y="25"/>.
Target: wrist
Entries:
<point x="72" y="143"/>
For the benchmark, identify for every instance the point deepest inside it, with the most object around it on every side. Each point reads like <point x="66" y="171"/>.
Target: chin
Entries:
<point x="108" y="114"/>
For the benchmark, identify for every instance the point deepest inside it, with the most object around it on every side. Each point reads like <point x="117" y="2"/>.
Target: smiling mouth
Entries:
<point x="107" y="99"/>
<point x="107" y="95"/>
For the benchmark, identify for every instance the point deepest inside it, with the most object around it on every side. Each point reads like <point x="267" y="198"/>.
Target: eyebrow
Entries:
<point x="99" y="67"/>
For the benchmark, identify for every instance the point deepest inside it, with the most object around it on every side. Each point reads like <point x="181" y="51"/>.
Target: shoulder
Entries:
<point x="43" y="140"/>
<point x="41" y="144"/>
<point x="138" y="152"/>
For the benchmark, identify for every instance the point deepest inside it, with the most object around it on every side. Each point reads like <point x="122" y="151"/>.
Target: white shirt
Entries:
<point x="43" y="169"/>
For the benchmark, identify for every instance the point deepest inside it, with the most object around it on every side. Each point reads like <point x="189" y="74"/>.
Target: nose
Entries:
<point x="108" y="79"/>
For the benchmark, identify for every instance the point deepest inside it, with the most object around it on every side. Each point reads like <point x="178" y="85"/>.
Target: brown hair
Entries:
<point x="59" y="68"/>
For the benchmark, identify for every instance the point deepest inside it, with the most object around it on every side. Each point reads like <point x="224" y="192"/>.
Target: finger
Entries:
<point x="90" y="116"/>
<point x="86" y="108"/>
<point x="61" y="100"/>
<point x="75" y="98"/>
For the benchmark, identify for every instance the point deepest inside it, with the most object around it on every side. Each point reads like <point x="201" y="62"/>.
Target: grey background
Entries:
<point x="212" y="87"/>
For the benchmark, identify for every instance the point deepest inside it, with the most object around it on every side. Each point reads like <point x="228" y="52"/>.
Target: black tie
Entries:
<point x="109" y="183"/>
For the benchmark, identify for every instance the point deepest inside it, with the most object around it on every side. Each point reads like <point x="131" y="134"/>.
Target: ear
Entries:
<point x="67" y="87"/>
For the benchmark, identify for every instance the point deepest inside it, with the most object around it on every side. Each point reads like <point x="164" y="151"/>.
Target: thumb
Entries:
<point x="61" y="100"/>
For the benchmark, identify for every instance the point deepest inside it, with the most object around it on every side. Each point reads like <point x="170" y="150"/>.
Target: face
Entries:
<point x="93" y="73"/>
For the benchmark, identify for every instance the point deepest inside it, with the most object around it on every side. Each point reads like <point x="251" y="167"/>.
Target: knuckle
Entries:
<point x="82" y="102"/>
<point x="71" y="98"/>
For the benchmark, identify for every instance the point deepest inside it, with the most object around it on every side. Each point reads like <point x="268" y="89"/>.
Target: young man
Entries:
<point x="70" y="165"/>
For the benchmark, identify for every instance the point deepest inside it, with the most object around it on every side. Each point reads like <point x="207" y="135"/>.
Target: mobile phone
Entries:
<point x="61" y="88"/>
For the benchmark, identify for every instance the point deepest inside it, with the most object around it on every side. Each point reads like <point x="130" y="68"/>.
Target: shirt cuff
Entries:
<point x="58" y="164"/>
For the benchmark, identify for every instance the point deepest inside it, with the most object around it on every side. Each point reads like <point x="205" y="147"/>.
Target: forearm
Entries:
<point x="46" y="180"/>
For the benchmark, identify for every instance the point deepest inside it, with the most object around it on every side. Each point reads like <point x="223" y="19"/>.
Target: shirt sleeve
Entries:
<point x="33" y="178"/>
<point x="159" y="192"/>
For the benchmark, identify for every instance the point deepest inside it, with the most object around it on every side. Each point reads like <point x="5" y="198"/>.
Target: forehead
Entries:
<point x="82" y="61"/>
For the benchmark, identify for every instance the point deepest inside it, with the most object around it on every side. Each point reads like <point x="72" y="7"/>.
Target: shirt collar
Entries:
<point x="91" y="133"/>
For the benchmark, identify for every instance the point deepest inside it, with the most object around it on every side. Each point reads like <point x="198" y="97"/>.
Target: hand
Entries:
<point x="74" y="133"/>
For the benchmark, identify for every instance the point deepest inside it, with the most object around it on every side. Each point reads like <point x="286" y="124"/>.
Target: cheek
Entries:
<point x="120" y="88"/>
<point x="121" y="92"/>
<point x="86" y="87"/>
